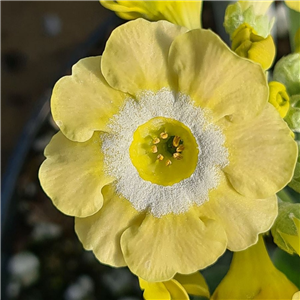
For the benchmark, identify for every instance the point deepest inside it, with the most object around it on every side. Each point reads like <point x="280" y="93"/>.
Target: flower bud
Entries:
<point x="251" y="13"/>
<point x="177" y="288"/>
<point x="293" y="118"/>
<point x="246" y="43"/>
<point x="279" y="98"/>
<point x="287" y="72"/>
<point x="286" y="229"/>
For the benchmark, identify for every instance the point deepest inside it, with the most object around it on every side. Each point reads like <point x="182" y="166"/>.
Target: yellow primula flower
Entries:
<point x="183" y="13"/>
<point x="169" y="151"/>
<point x="252" y="275"/>
<point x="279" y="97"/>
<point x="295" y="5"/>
<point x="177" y="288"/>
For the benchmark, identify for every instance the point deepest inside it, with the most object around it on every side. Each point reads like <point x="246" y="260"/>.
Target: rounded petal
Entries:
<point x="242" y="218"/>
<point x="183" y="13"/>
<point x="176" y="290"/>
<point x="296" y="296"/>
<point x="135" y="57"/>
<point x="161" y="247"/>
<point x="72" y="175"/>
<point x="102" y="231"/>
<point x="263" y="52"/>
<point x="194" y="284"/>
<point x="262" y="155"/>
<point x="154" y="290"/>
<point x="136" y="7"/>
<point x="83" y="102"/>
<point x="216" y="78"/>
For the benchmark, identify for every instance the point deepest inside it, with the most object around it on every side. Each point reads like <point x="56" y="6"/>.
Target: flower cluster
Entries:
<point x="171" y="150"/>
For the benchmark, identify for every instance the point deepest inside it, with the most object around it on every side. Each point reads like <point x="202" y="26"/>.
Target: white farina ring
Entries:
<point x="145" y="195"/>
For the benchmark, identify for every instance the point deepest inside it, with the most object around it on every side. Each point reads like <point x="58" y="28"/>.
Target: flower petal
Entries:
<point x="194" y="284"/>
<point x="161" y="247"/>
<point x="296" y="296"/>
<point x="102" y="231"/>
<point x="216" y="78"/>
<point x="135" y="57"/>
<point x="183" y="13"/>
<point x="176" y="290"/>
<point x="242" y="218"/>
<point x="72" y="175"/>
<point x="83" y="102"/>
<point x="154" y="290"/>
<point x="259" y="7"/>
<point x="263" y="155"/>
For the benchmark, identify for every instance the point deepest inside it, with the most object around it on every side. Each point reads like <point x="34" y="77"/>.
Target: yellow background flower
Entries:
<point x="184" y="13"/>
<point x="177" y="288"/>
<point x="295" y="5"/>
<point x="168" y="86"/>
<point x="252" y="275"/>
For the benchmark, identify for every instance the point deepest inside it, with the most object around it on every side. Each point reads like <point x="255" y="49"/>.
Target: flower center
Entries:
<point x="164" y="151"/>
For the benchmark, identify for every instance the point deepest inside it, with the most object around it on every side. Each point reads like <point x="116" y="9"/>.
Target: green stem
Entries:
<point x="284" y="196"/>
<point x="294" y="25"/>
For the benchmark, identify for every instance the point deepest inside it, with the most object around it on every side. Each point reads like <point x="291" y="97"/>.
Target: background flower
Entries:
<point x="184" y="13"/>
<point x="252" y="275"/>
<point x="250" y="31"/>
<point x="295" y="5"/>
<point x="177" y="288"/>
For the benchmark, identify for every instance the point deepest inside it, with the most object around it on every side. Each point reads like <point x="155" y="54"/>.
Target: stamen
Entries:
<point x="180" y="148"/>
<point x="168" y="162"/>
<point x="154" y="149"/>
<point x="176" y="141"/>
<point x="160" y="157"/>
<point x="156" y="141"/>
<point x="164" y="135"/>
<point x="177" y="156"/>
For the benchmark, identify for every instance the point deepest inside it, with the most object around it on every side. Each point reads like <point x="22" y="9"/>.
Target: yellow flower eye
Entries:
<point x="173" y="157"/>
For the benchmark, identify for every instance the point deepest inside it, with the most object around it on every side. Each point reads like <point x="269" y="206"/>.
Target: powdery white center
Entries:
<point x="158" y="199"/>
